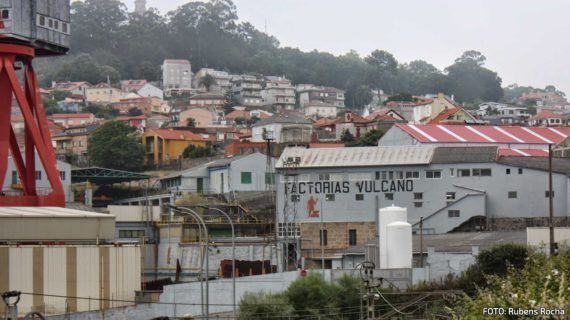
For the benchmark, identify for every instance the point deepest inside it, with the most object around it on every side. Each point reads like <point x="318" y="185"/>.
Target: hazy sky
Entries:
<point x="527" y="42"/>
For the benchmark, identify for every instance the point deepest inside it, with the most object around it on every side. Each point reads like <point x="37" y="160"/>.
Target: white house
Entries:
<point x="243" y="173"/>
<point x="148" y="90"/>
<point x="12" y="183"/>
<point x="320" y="109"/>
<point x="283" y="128"/>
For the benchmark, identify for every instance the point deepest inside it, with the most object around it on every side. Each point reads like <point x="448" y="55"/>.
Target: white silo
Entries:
<point x="399" y="243"/>
<point x="386" y="216"/>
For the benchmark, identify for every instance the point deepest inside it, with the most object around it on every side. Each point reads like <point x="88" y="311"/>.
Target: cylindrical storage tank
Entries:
<point x="399" y="243"/>
<point x="386" y="216"/>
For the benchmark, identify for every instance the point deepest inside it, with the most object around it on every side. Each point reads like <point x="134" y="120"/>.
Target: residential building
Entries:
<point x="222" y="80"/>
<point x="424" y="110"/>
<point x="139" y="122"/>
<point x="523" y="141"/>
<point x="547" y="118"/>
<point x="455" y="115"/>
<point x="544" y="98"/>
<point x="319" y="109"/>
<point x="103" y="94"/>
<point x="453" y="188"/>
<point x="242" y="173"/>
<point x="132" y="85"/>
<point x="76" y="88"/>
<point x="247" y="90"/>
<point x="385" y="114"/>
<point x="163" y="145"/>
<point x="157" y="121"/>
<point x="278" y="92"/>
<point x="72" y="119"/>
<point x="149" y="90"/>
<point x="73" y="141"/>
<point x="176" y="74"/>
<point x="309" y="93"/>
<point x="13" y="185"/>
<point x="203" y="117"/>
<point x="283" y="128"/>
<point x="247" y="115"/>
<point x="145" y="104"/>
<point x="208" y="100"/>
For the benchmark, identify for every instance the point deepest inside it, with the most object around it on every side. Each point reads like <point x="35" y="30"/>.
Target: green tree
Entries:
<point x="402" y="96"/>
<point x="370" y="138"/>
<point x="59" y="95"/>
<point x="256" y="305"/>
<point x="312" y="296"/>
<point x="193" y="152"/>
<point x="468" y="80"/>
<point x="346" y="136"/>
<point x="384" y="67"/>
<point x="207" y="82"/>
<point x="191" y="122"/>
<point x="116" y="145"/>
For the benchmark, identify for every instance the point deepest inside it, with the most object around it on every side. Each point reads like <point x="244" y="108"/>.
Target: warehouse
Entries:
<point x="56" y="253"/>
<point x="452" y="188"/>
<point x="512" y="140"/>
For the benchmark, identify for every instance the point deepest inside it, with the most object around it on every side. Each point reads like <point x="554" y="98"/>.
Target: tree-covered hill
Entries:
<point x="110" y="42"/>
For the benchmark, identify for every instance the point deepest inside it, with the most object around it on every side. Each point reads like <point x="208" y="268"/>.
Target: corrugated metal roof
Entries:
<point x="356" y="157"/>
<point x="465" y="154"/>
<point x="48" y="212"/>
<point x="485" y="134"/>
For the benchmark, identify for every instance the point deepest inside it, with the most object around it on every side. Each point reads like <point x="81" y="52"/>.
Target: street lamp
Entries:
<point x="200" y="221"/>
<point x="233" y="253"/>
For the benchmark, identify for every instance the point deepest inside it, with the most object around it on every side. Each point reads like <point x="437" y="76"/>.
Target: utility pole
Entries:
<point x="421" y="242"/>
<point x="551" y="203"/>
<point x="368" y="279"/>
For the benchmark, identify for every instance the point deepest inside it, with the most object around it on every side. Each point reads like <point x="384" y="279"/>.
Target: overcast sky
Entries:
<point x="527" y="42"/>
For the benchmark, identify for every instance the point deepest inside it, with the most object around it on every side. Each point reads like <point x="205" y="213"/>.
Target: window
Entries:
<point x="64" y="27"/>
<point x="433" y="174"/>
<point x="512" y="195"/>
<point x="50" y="22"/>
<point x="399" y="175"/>
<point x="324" y="177"/>
<point x="38" y="175"/>
<point x="520" y="171"/>
<point x="323" y="237"/>
<point x="389" y="196"/>
<point x="453" y="213"/>
<point x="56" y="25"/>
<point x="246" y="177"/>
<point x="329" y="197"/>
<point x="270" y="178"/>
<point x="418" y="204"/>
<point x="481" y="172"/>
<point x="463" y="172"/>
<point x="412" y="175"/>
<point x="451" y="172"/>
<point x="131" y="234"/>
<point x="14" y="177"/>
<point x="450" y="196"/>
<point x="352" y="237"/>
<point x="391" y="175"/>
<point x="5" y="14"/>
<point x="42" y="21"/>
<point x="418" y="196"/>
<point x="62" y="175"/>
<point x="547" y="194"/>
<point x="295" y="198"/>
<point x="508" y="171"/>
<point x="359" y="197"/>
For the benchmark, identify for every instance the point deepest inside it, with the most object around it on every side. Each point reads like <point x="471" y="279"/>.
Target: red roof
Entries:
<point x="71" y="115"/>
<point x="431" y="133"/>
<point x="444" y="115"/>
<point x="245" y="114"/>
<point x="126" y="118"/>
<point x="511" y="152"/>
<point x="547" y="114"/>
<point x="176" y="134"/>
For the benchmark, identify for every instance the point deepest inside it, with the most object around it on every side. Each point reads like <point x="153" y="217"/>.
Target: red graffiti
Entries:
<point x="312" y="207"/>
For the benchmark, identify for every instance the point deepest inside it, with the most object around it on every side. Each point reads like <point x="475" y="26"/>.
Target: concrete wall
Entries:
<point x="134" y="213"/>
<point x="540" y="237"/>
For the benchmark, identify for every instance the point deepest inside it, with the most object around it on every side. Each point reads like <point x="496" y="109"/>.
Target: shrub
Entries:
<point x="264" y="306"/>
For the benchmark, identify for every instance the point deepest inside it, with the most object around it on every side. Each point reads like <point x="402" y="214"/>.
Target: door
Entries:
<point x="200" y="185"/>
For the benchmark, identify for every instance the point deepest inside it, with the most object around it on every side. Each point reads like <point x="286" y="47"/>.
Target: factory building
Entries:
<point x="65" y="260"/>
<point x="452" y="188"/>
<point x="512" y="140"/>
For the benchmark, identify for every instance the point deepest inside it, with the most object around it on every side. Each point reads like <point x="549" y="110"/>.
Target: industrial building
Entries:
<point x="51" y="253"/>
<point x="452" y="188"/>
<point x="513" y="140"/>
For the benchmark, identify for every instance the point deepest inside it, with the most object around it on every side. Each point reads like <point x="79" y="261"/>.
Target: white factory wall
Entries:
<point x="55" y="265"/>
<point x="540" y="237"/>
